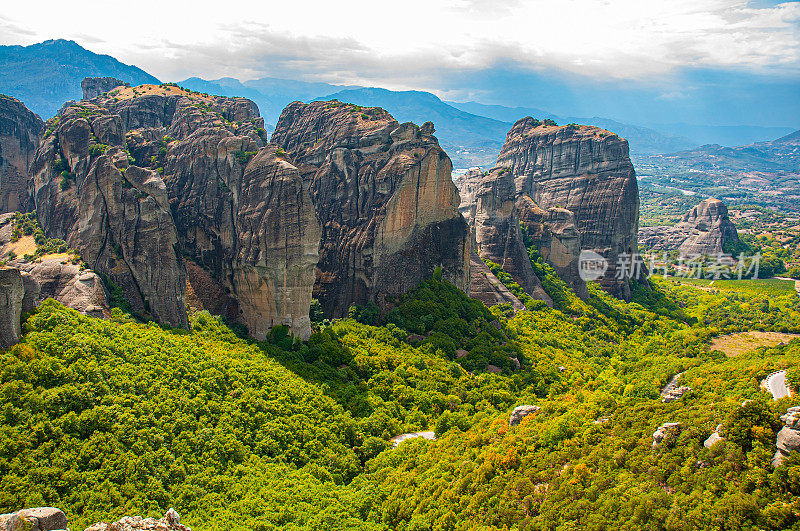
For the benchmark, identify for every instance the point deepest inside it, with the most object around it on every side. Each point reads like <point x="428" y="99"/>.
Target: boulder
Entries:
<point x="791" y="418"/>
<point x="662" y="431"/>
<point x="713" y="439"/>
<point x="12" y="292"/>
<point x="36" y="519"/>
<point x="675" y="393"/>
<point x="521" y="412"/>
<point x="385" y="199"/>
<point x="788" y="440"/>
<point x="20" y="133"/>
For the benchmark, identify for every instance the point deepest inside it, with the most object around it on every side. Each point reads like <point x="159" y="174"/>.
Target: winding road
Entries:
<point x="776" y="384"/>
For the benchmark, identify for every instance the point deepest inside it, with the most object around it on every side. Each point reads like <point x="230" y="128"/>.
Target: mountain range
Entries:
<point x="45" y="75"/>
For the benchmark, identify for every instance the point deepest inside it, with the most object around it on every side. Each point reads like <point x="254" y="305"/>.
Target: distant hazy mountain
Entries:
<point x="469" y="139"/>
<point x="726" y="135"/>
<point x="778" y="155"/>
<point x="642" y="140"/>
<point x="45" y="75"/>
<point x="270" y="94"/>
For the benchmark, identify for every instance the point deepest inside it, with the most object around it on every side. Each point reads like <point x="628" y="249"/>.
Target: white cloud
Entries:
<point x="410" y="43"/>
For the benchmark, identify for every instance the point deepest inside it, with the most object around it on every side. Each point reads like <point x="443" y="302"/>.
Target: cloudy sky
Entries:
<point x="430" y="44"/>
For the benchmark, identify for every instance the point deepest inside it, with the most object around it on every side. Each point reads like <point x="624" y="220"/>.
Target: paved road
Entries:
<point x="776" y="384"/>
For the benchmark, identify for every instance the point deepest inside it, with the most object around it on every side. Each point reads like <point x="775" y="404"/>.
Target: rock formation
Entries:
<point x="384" y="196"/>
<point x="170" y="522"/>
<point x="788" y="439"/>
<point x="95" y="86"/>
<point x="663" y="431"/>
<point x="704" y="230"/>
<point x="714" y="438"/>
<point x="467" y="184"/>
<point x="12" y="292"/>
<point x="587" y="171"/>
<point x="520" y="412"/>
<point x="36" y="519"/>
<point x="497" y="234"/>
<point x="20" y="131"/>
<point x="55" y="277"/>
<point x="486" y="287"/>
<point x="141" y="177"/>
<point x="555" y="235"/>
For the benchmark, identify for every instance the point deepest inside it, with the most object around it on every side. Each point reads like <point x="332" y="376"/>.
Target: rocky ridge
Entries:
<point x="788" y="439"/>
<point x="703" y="230"/>
<point x="20" y="132"/>
<point x="385" y="200"/>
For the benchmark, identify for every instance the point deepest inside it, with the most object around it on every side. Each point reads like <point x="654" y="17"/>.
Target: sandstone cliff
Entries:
<point x="467" y="184"/>
<point x="384" y="196"/>
<point x="12" y="292"/>
<point x="587" y="171"/>
<point x="704" y="230"/>
<point x="20" y="131"/>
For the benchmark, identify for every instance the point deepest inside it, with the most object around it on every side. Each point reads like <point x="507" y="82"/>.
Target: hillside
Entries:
<point x="45" y="75"/>
<point x="105" y="418"/>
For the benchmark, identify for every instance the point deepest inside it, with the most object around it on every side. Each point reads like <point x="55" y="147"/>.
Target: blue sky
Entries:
<point x="701" y="61"/>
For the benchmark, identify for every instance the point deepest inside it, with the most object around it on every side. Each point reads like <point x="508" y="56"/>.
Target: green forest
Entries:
<point x="106" y="418"/>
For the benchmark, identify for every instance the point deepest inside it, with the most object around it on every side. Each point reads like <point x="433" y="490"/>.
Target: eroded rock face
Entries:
<point x="486" y="287"/>
<point x="12" y="292"/>
<point x="704" y="230"/>
<point x="663" y="431"/>
<point x="384" y="197"/>
<point x="161" y="173"/>
<point x="20" y="132"/>
<point x="467" y="185"/>
<point x="117" y="216"/>
<point x="555" y="234"/>
<point x="587" y="171"/>
<point x="496" y="231"/>
<point x="95" y="86"/>
<point x="788" y="438"/>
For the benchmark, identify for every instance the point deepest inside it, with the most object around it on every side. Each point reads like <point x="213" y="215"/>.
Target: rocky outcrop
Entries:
<point x="704" y="230"/>
<point x="20" y="132"/>
<point x="12" y="292"/>
<point x="170" y="522"/>
<point x="141" y="177"/>
<point x="663" y="431"/>
<point x="587" y="171"/>
<point x="485" y="286"/>
<point x="95" y="86"/>
<point x="788" y="439"/>
<point x="115" y="215"/>
<point x="554" y="233"/>
<point x="36" y="519"/>
<point x="55" y="277"/>
<point x="385" y="200"/>
<point x="520" y="412"/>
<point x="714" y="438"/>
<point x="497" y="234"/>
<point x="468" y="183"/>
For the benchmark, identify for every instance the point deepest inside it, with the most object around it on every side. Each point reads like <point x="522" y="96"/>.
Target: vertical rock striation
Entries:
<point x="12" y="292"/>
<point x="20" y="131"/>
<point x="139" y="179"/>
<point x="587" y="171"/>
<point x="384" y="197"/>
